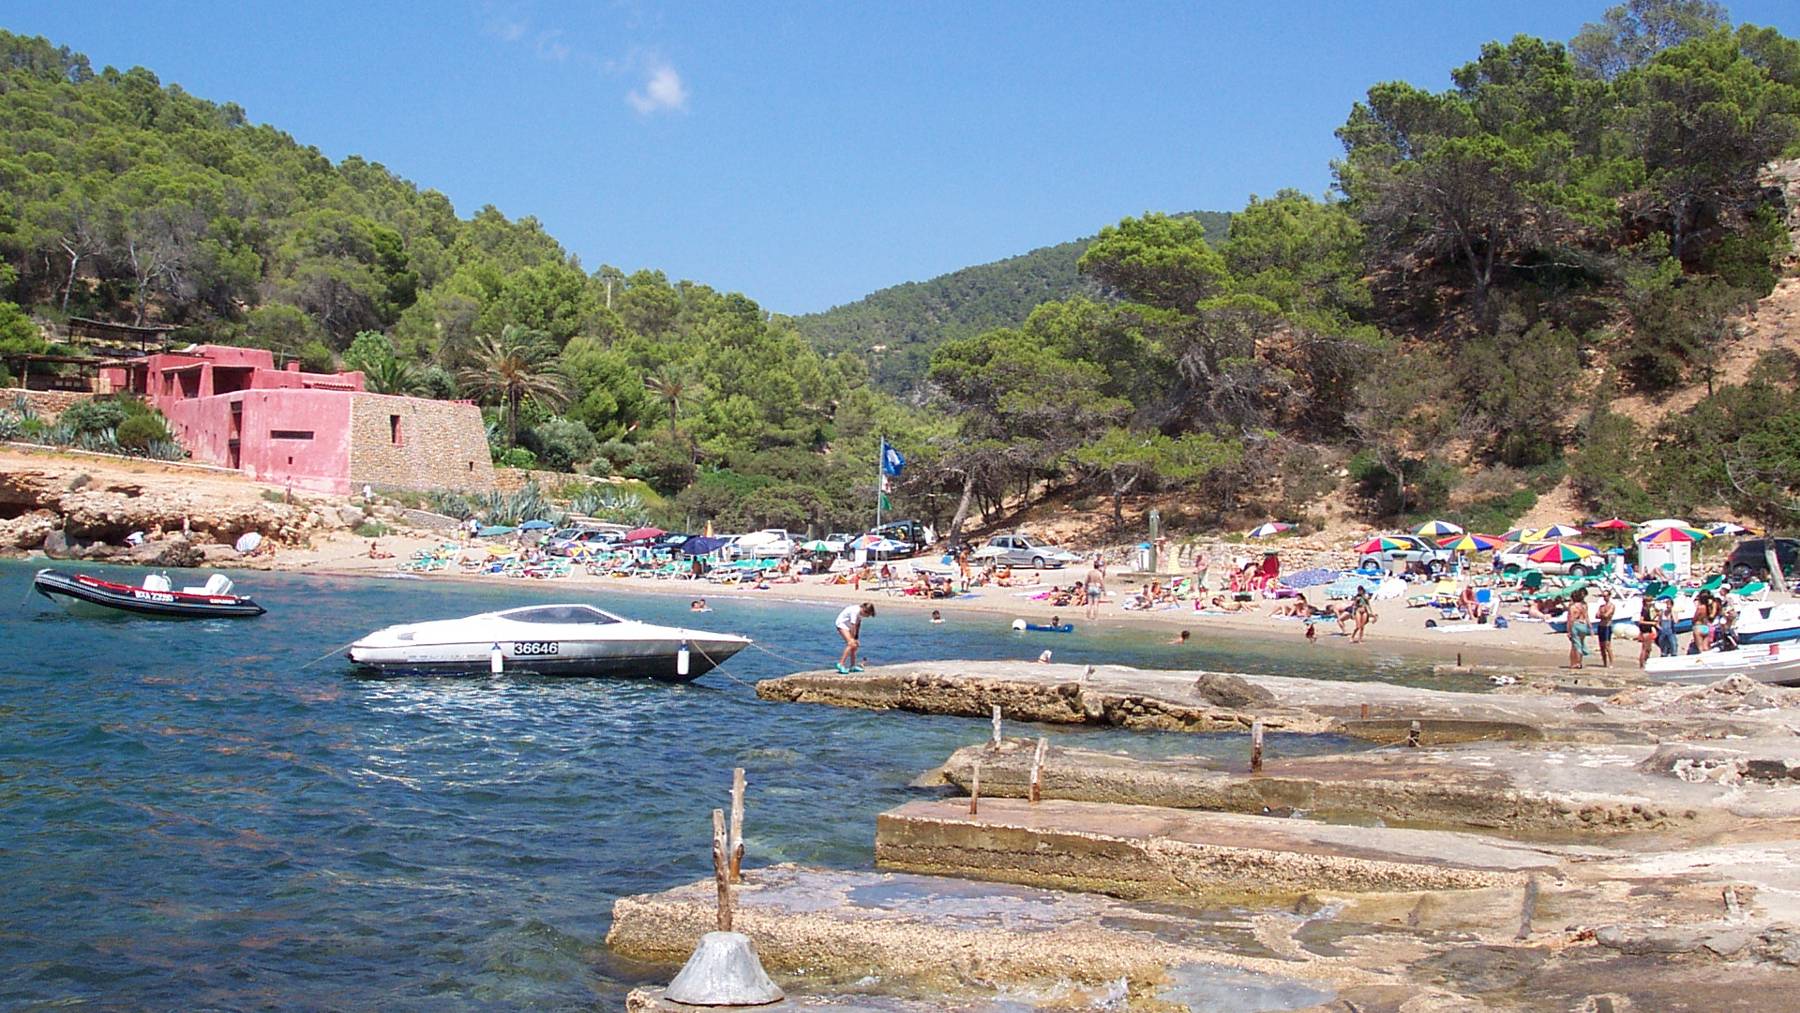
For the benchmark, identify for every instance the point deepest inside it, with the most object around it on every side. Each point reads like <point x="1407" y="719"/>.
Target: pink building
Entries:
<point x="322" y="431"/>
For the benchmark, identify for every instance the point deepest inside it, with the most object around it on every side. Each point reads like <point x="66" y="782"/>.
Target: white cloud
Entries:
<point x="550" y="46"/>
<point x="663" y="90"/>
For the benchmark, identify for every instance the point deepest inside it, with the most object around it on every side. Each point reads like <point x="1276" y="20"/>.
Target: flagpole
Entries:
<point x="880" y="475"/>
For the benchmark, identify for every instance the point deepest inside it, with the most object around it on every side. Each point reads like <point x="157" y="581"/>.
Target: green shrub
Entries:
<point x="612" y="458"/>
<point x="316" y="357"/>
<point x="561" y="443"/>
<point x="138" y="432"/>
<point x="371" y="529"/>
<point x="517" y="457"/>
<point x="92" y="416"/>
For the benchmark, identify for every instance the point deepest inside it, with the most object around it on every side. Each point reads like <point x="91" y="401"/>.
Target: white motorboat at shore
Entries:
<point x="1765" y="663"/>
<point x="566" y="640"/>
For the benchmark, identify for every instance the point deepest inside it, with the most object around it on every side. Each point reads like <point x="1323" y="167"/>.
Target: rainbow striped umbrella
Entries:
<point x="1670" y="535"/>
<point x="1553" y="532"/>
<point x="1434" y="529"/>
<point x="1382" y="543"/>
<point x="1271" y="528"/>
<point x="1724" y="528"/>
<point x="1471" y="542"/>
<point x="1515" y="535"/>
<point x="1561" y="552"/>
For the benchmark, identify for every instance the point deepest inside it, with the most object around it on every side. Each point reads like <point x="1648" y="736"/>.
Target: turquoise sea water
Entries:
<point x="191" y="816"/>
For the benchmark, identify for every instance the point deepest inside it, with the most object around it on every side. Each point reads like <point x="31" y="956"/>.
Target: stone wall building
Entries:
<point x="321" y="431"/>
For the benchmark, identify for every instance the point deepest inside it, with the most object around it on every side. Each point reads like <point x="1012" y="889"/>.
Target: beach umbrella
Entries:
<point x="876" y="543"/>
<point x="643" y="534"/>
<point x="701" y="545"/>
<point x="1553" y="532"/>
<point x="816" y="545"/>
<point x="535" y="525"/>
<point x="1515" y="535"/>
<point x="1382" y="543"/>
<point x="1612" y="524"/>
<point x="1471" y="542"/>
<point x="1671" y="535"/>
<point x="1726" y="528"/>
<point x="1271" y="528"/>
<point x="495" y="531"/>
<point x="1434" y="529"/>
<point x="1561" y="552"/>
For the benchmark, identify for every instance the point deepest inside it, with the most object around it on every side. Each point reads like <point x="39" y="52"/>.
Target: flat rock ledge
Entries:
<point x="1196" y="701"/>
<point x="1526" y="789"/>
<point x="1148" y="852"/>
<point x="960" y="939"/>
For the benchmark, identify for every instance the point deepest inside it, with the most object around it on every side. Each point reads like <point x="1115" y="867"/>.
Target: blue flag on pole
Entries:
<point x="891" y="461"/>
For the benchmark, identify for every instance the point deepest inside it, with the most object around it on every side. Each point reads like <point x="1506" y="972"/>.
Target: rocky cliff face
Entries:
<point x="82" y="516"/>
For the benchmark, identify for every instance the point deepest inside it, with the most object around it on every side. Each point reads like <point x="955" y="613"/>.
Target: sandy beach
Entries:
<point x="1398" y="630"/>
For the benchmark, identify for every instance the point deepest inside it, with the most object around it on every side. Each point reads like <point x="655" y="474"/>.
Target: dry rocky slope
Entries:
<point x="83" y="507"/>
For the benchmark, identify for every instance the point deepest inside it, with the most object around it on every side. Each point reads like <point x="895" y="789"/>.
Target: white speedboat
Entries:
<point x="573" y="640"/>
<point x="1777" y="664"/>
<point x="1762" y="622"/>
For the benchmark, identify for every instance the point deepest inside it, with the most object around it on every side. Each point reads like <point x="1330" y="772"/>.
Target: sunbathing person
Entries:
<point x="1296" y="607"/>
<point x="1222" y="605"/>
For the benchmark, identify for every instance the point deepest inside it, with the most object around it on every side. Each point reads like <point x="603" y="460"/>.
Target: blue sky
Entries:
<point x="809" y="153"/>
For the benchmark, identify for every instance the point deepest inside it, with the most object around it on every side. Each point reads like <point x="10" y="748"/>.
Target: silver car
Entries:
<point x="1023" y="550"/>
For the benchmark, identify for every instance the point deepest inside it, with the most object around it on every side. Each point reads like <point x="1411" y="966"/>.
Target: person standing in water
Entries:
<point x="849" y="626"/>
<point x="1096" y="587"/>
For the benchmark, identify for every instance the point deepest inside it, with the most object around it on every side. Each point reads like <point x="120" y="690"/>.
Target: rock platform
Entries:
<point x="1152" y="852"/>
<point x="1198" y="701"/>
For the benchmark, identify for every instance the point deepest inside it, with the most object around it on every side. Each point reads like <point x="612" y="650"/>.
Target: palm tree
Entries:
<point x="670" y="387"/>
<point x="391" y="376"/>
<point x="511" y="368"/>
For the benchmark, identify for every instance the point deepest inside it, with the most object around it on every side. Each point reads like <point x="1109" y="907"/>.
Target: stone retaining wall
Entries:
<point x="47" y="403"/>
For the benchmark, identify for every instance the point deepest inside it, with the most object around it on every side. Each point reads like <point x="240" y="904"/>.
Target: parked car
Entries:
<point x="912" y="534"/>
<point x="1023" y="550"/>
<point x="579" y="539"/>
<point x="769" y="543"/>
<point x="838" y="541"/>
<point x="1748" y="561"/>
<point x="1516" y="559"/>
<point x="1424" y="551"/>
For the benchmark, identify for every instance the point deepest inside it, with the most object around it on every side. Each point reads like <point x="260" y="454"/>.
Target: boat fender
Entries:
<point x="1018" y="626"/>
<point x="681" y="659"/>
<point x="496" y="660"/>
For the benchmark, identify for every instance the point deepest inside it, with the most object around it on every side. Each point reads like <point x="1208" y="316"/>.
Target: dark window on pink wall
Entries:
<point x="394" y="429"/>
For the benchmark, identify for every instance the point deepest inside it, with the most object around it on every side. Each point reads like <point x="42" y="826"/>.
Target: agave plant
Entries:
<point x="609" y="504"/>
<point x="164" y="450"/>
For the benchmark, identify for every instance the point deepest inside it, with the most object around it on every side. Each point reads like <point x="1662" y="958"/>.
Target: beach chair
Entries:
<point x="1756" y="590"/>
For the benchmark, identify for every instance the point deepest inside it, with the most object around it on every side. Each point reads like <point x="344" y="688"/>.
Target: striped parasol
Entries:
<point x="1382" y="543"/>
<point x="1436" y="529"/>
<point x="1271" y="528"/>
<point x="1553" y="532"/>
<point x="1471" y="542"/>
<point x="1671" y="535"/>
<point x="1561" y="552"/>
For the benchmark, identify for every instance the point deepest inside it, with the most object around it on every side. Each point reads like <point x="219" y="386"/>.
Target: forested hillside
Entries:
<point x="125" y="199"/>
<point x="1567" y="228"/>
<point x="897" y="328"/>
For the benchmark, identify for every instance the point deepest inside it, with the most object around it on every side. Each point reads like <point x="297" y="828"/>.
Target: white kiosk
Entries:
<point x="1652" y="557"/>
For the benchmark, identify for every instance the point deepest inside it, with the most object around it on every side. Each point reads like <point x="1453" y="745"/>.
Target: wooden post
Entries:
<point x="1256" y="737"/>
<point x="1412" y="735"/>
<point x="722" y="870"/>
<point x="736" y="841"/>
<point x="1365" y="712"/>
<point x="996" y="726"/>
<point x="1459" y="663"/>
<point x="1037" y="769"/>
<point x="975" y="789"/>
